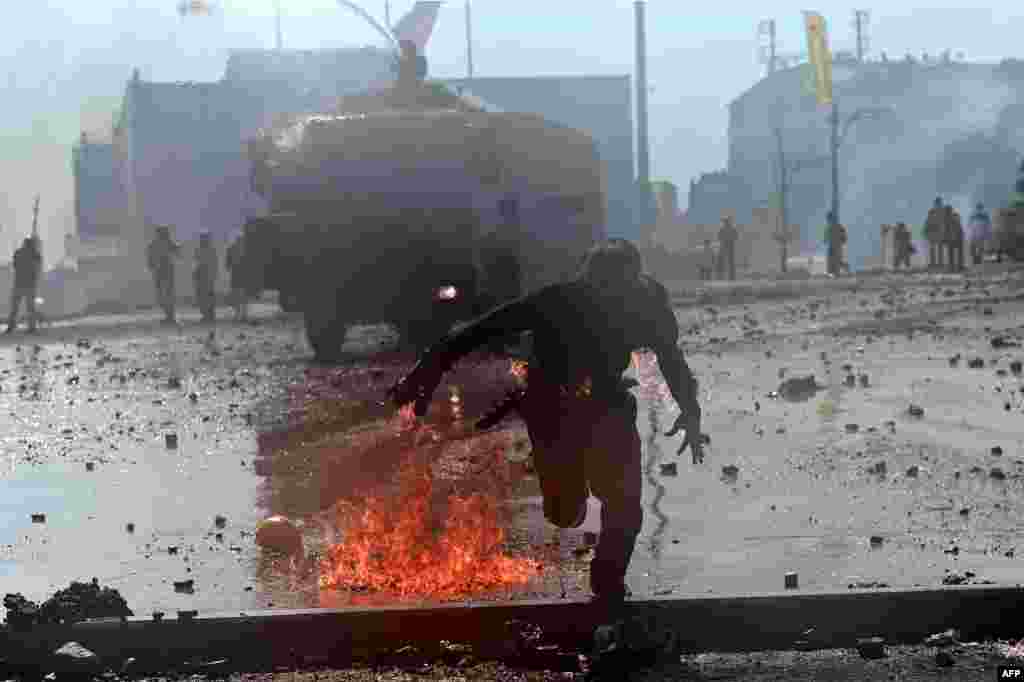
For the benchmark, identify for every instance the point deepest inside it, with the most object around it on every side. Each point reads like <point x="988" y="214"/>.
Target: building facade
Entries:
<point x="917" y="129"/>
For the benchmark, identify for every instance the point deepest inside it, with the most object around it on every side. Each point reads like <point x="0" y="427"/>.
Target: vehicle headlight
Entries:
<point x="447" y="293"/>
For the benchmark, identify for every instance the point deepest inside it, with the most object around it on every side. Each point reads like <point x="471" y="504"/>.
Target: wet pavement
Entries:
<point x="261" y="432"/>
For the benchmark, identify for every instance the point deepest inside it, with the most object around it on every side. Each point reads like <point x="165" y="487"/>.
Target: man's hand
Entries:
<point x="418" y="386"/>
<point x="690" y="422"/>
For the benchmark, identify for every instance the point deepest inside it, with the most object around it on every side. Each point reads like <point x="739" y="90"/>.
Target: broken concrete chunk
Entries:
<point x="171" y="441"/>
<point x="944" y="659"/>
<point x="669" y="469"/>
<point x="976" y="363"/>
<point x="185" y="586"/>
<point x="871" y="648"/>
<point x="915" y="411"/>
<point x="997" y="474"/>
<point x="997" y="451"/>
<point x="913" y="471"/>
<point x="943" y="639"/>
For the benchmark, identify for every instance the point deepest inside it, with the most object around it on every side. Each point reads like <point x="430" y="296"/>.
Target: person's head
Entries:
<point x="28" y="243"/>
<point x="163" y="232"/>
<point x="830" y="217"/>
<point x="408" y="48"/>
<point x="980" y="207"/>
<point x="615" y="261"/>
<point x="707" y="243"/>
<point x="206" y="239"/>
<point x="938" y="202"/>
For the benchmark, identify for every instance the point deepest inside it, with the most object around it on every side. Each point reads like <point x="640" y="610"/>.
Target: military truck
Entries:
<point x="378" y="213"/>
<point x="1009" y="225"/>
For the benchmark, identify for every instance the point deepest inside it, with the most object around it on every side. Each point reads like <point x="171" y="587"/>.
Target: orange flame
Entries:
<point x="400" y="544"/>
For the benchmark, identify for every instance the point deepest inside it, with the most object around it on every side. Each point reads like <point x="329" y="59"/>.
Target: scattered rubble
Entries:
<point x="78" y="602"/>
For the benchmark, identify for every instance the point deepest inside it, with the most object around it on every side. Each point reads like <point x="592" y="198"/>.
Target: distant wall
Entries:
<point x="892" y="167"/>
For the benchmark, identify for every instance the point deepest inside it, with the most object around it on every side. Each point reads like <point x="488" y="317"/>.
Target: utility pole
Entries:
<point x="35" y="218"/>
<point x="860" y="24"/>
<point x="783" y="228"/>
<point x="469" y="41"/>
<point x="768" y="53"/>
<point x="643" y="145"/>
<point x="277" y="23"/>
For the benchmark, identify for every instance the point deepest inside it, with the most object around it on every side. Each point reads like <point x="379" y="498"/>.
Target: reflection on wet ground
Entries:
<point x="787" y="485"/>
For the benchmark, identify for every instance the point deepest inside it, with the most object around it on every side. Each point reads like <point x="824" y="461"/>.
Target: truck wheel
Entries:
<point x="289" y="302"/>
<point x="325" y="333"/>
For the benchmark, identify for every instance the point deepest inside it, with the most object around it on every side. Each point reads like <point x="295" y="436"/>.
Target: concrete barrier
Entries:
<point x="698" y="624"/>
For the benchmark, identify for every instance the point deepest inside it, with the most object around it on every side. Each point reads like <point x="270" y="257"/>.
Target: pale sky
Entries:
<point x="65" y="62"/>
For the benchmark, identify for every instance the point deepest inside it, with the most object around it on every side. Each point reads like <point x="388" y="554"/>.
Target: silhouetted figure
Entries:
<point x="934" y="230"/>
<point x="707" y="261"/>
<point x="204" y="277"/>
<point x="902" y="245"/>
<point x="727" y="236"/>
<point x="980" y="227"/>
<point x="160" y="256"/>
<point x="28" y="262"/>
<point x="234" y="261"/>
<point x="953" y="239"/>
<point x="579" y="413"/>
<point x="835" y="240"/>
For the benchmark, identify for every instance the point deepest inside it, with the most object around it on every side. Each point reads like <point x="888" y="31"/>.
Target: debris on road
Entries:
<point x="78" y="602"/>
<point x="871" y="648"/>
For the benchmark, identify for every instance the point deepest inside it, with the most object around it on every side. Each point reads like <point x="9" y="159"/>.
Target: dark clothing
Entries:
<point x="591" y="447"/>
<point x="727" y="237"/>
<point x="28" y="263"/>
<point x="903" y="247"/>
<point x="205" y="280"/>
<point x="953" y="239"/>
<point x="587" y="438"/>
<point x="160" y="257"/>
<point x="835" y="239"/>
<point x="934" y="232"/>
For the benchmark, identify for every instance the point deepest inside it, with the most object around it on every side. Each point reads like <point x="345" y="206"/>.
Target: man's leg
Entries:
<point x="30" y="309"/>
<point x="558" y="460"/>
<point x="615" y="473"/>
<point x="12" y="318"/>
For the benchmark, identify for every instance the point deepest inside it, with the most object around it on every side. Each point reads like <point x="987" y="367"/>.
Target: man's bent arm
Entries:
<point x="514" y="317"/>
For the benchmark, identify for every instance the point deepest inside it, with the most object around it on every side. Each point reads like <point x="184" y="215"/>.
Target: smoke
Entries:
<point x="889" y="166"/>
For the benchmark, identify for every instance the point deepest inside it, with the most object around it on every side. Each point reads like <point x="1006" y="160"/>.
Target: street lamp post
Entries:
<point x="786" y="169"/>
<point x="837" y="140"/>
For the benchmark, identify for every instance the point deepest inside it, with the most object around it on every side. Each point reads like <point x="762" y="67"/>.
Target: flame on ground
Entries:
<point x="400" y="544"/>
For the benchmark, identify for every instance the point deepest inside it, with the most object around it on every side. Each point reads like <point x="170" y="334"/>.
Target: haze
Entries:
<point x="67" y="63"/>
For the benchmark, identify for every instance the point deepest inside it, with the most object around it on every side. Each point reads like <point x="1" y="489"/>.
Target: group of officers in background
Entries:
<point x="163" y="252"/>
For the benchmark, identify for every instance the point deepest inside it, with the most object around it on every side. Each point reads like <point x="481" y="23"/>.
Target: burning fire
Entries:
<point x="420" y="542"/>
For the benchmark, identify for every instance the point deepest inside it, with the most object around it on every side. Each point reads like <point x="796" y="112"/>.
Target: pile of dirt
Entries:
<point x="80" y="601"/>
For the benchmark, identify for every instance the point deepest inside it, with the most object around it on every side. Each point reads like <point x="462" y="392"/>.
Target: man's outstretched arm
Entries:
<point x="511" y="318"/>
<point x="680" y="379"/>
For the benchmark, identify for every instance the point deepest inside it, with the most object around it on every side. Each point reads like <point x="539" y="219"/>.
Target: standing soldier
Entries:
<point x="204" y="277"/>
<point x="727" y="237"/>
<point x="835" y="240"/>
<point x="934" y="229"/>
<point x="27" y="264"/>
<point x="160" y="256"/>
<point x="233" y="261"/>
<point x="954" y="239"/>
<point x="707" y="261"/>
<point x="980" y="228"/>
<point x="903" y="246"/>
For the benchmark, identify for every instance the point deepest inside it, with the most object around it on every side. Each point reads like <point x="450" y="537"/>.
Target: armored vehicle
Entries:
<point x="380" y="213"/>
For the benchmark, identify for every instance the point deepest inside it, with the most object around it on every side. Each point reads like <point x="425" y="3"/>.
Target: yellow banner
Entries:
<point x="819" y="55"/>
